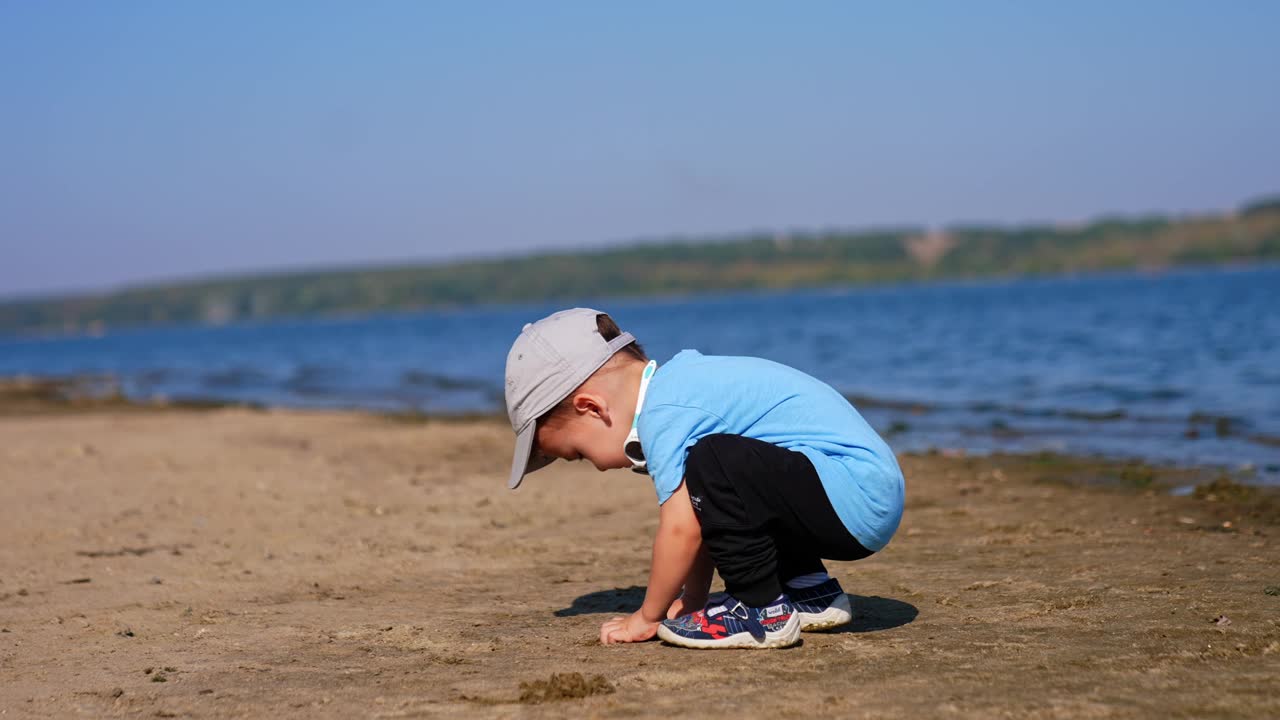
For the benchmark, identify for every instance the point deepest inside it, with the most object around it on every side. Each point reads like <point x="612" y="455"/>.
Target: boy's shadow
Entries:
<point x="615" y="601"/>
<point x="869" y="613"/>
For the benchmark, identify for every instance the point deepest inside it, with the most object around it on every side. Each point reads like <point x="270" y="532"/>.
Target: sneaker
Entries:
<point x="728" y="623"/>
<point x="821" y="607"/>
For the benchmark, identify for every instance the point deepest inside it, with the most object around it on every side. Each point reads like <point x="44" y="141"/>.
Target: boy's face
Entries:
<point x="588" y="431"/>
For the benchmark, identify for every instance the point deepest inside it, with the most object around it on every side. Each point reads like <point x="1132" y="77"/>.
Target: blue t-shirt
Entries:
<point x="695" y="395"/>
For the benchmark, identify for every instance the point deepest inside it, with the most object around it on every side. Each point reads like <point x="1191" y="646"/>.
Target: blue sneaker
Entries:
<point x="728" y="623"/>
<point x="821" y="607"/>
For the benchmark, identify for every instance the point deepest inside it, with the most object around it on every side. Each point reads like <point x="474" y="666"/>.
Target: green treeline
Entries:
<point x="798" y="259"/>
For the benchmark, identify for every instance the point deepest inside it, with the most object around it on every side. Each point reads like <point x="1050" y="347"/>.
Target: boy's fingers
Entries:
<point x="612" y="635"/>
<point x="608" y="629"/>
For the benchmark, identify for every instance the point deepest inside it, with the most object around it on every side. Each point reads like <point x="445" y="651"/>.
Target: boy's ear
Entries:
<point x="592" y="404"/>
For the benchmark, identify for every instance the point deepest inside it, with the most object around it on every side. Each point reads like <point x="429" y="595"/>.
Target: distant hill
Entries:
<point x="736" y="263"/>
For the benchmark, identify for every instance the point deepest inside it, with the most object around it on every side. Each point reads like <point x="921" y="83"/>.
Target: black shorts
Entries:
<point x="765" y="515"/>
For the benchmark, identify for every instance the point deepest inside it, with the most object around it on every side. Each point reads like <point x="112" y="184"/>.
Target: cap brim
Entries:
<point x="524" y="460"/>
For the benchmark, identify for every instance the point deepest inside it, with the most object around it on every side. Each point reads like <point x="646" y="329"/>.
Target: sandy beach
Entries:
<point x="243" y="563"/>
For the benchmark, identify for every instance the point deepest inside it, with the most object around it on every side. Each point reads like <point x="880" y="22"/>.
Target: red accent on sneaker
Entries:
<point x="715" y="630"/>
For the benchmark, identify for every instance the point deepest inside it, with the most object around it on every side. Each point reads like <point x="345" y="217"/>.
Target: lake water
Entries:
<point x="1181" y="367"/>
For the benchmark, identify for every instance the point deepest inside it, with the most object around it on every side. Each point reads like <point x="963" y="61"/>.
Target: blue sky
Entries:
<point x="149" y="140"/>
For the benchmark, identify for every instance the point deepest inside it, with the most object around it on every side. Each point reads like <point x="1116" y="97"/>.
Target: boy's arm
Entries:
<point x="675" y="551"/>
<point x="697" y="586"/>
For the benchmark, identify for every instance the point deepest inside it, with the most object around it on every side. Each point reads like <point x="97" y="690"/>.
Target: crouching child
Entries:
<point x="761" y="473"/>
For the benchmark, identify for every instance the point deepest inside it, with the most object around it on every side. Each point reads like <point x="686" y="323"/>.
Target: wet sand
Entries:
<point x="241" y="563"/>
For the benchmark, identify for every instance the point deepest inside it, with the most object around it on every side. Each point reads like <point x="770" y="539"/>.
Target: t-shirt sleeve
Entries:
<point x="666" y="434"/>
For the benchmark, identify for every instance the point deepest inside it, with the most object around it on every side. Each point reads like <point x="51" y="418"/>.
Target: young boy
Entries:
<point x="761" y="471"/>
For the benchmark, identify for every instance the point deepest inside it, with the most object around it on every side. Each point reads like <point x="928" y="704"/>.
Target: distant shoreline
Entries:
<point x="620" y="300"/>
<point x="609" y="301"/>
<point x="747" y="262"/>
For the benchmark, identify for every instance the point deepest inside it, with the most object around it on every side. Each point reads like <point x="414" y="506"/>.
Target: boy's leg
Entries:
<point x="764" y="514"/>
<point x="796" y="559"/>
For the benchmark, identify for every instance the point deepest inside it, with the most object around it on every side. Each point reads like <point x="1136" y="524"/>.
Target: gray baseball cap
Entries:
<point x="549" y="360"/>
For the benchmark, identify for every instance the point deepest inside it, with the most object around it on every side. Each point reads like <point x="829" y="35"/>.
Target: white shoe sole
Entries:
<point x="788" y="636"/>
<point x="839" y="613"/>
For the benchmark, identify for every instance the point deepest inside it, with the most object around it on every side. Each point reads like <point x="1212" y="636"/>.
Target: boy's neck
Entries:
<point x="630" y="389"/>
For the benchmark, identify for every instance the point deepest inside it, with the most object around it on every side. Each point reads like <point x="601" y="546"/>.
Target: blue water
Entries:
<point x="1182" y="367"/>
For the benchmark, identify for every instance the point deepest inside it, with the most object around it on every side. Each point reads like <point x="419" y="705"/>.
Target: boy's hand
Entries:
<point x="675" y="553"/>
<point x="632" y="628"/>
